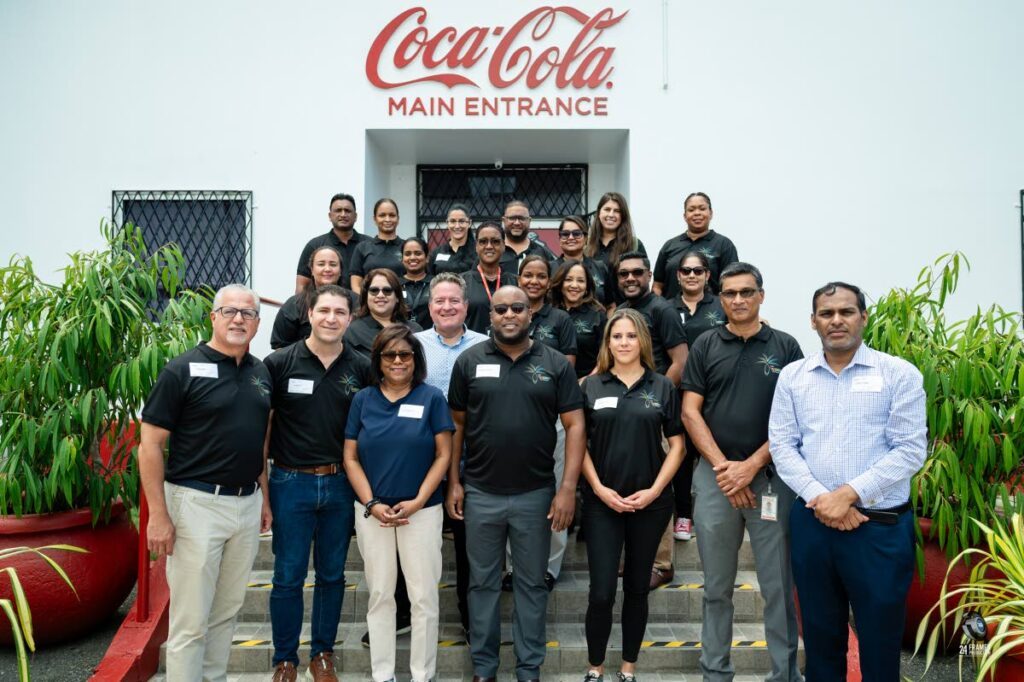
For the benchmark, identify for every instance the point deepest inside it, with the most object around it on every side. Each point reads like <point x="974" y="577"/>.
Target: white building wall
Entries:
<point x="837" y="140"/>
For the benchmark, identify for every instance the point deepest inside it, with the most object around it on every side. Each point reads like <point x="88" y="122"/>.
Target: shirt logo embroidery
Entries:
<point x="261" y="387"/>
<point x="771" y="365"/>
<point x="713" y="318"/>
<point x="582" y="327"/>
<point x="349" y="384"/>
<point x="544" y="332"/>
<point x="537" y="373"/>
<point x="708" y="253"/>
<point x="649" y="400"/>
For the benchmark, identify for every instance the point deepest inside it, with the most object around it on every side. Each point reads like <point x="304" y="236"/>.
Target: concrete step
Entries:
<point x="686" y="556"/>
<point x="678" y="601"/>
<point x="671" y="648"/>
<point x="563" y="677"/>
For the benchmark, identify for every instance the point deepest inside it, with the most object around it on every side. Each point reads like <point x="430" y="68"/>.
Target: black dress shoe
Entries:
<point x="477" y="678"/>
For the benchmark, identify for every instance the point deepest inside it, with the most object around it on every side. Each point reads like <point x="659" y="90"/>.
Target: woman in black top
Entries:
<point x="701" y="310"/>
<point x="548" y="325"/>
<point x="416" y="282"/>
<point x="380" y="304"/>
<point x="572" y="237"/>
<point x="486" y="277"/>
<point x="572" y="290"/>
<point x="384" y="251"/>
<point x="611" y="235"/>
<point x="292" y="323"/>
<point x="458" y="253"/>
<point x="628" y="497"/>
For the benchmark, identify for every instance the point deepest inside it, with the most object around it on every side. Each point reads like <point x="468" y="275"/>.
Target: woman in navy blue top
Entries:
<point x="398" y="443"/>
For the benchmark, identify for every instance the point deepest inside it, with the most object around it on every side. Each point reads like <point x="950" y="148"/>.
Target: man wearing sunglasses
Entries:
<point x="206" y="509"/>
<point x="505" y="395"/>
<point x="518" y="244"/>
<point x="727" y="396"/>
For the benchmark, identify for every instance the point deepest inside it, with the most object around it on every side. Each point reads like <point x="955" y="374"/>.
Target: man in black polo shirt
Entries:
<point x="314" y="383"/>
<point x="668" y="338"/>
<point x="719" y="250"/>
<point x="518" y="244"/>
<point x="728" y="389"/>
<point x="342" y="236"/>
<point x="212" y="404"/>
<point x="505" y="396"/>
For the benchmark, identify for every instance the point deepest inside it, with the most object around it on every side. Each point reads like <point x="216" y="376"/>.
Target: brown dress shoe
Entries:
<point x="661" y="577"/>
<point x="321" y="668"/>
<point x="285" y="672"/>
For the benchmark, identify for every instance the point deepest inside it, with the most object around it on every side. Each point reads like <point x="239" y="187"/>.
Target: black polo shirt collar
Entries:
<point x="763" y="334"/>
<point x="216" y="356"/>
<point x="387" y="242"/>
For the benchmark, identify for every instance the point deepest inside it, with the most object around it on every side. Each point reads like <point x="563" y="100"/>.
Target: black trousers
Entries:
<point x="607" y="532"/>
<point x="683" y="481"/>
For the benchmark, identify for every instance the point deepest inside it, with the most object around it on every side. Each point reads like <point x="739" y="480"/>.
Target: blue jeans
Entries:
<point x="315" y="510"/>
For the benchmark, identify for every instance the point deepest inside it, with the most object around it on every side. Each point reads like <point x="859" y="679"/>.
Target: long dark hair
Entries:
<point x="625" y="236"/>
<point x="387" y="336"/>
<point x="555" y="291"/>
<point x="401" y="311"/>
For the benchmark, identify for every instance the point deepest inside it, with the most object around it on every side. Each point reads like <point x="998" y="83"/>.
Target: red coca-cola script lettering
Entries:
<point x="519" y="55"/>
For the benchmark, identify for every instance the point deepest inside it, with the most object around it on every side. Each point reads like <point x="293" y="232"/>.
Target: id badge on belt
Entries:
<point x="769" y="504"/>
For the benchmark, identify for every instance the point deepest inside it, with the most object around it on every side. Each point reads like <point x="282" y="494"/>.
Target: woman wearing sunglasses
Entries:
<point x="572" y="237"/>
<point x="573" y="290"/>
<point x="292" y="322"/>
<point x="380" y="303"/>
<point x="486" y="276"/>
<point x="398" y="443"/>
<point x="458" y="253"/>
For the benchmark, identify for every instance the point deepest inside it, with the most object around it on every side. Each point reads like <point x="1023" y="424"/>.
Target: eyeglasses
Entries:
<point x="570" y="234"/>
<point x="517" y="218"/>
<point x="636" y="273"/>
<point x="247" y="313"/>
<point x="742" y="293"/>
<point x="392" y="355"/>
<point x="489" y="241"/>
<point x="377" y="291"/>
<point x="458" y="221"/>
<point x="692" y="271"/>
<point x="502" y="308"/>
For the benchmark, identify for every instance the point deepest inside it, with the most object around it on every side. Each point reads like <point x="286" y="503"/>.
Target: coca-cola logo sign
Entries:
<point x="561" y="47"/>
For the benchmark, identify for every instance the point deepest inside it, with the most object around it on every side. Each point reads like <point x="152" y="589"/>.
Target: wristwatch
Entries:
<point x="369" y="506"/>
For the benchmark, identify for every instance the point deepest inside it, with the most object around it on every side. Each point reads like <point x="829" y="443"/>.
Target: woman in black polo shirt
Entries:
<point x="486" y="277"/>
<point x="458" y="253"/>
<point x="548" y="325"/>
<point x="700" y="310"/>
<point x="380" y="304"/>
<point x="611" y="235"/>
<point x="572" y="238"/>
<point x="416" y="282"/>
<point x="383" y="251"/>
<point x="398" y="442"/>
<point x="628" y="497"/>
<point x="573" y="290"/>
<point x="292" y="323"/>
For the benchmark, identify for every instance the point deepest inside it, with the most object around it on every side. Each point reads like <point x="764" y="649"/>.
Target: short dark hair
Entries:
<point x="330" y="290"/>
<point x="741" y="268"/>
<point x="385" y="200"/>
<point x="691" y="195"/>
<point x="695" y="253"/>
<point x="635" y="255"/>
<point x="830" y="288"/>
<point x="535" y="258"/>
<point x="387" y="336"/>
<point x="341" y="196"/>
<point x="417" y="240"/>
<point x="401" y="311"/>
<point x="494" y="225"/>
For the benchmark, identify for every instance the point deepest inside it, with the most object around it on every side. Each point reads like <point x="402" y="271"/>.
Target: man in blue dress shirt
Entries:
<point x="847" y="432"/>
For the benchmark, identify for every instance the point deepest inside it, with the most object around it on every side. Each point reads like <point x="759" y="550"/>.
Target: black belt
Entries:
<point x="885" y="515"/>
<point x="214" y="489"/>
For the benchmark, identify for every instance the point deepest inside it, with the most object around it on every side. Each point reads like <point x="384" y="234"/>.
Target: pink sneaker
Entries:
<point x="683" y="529"/>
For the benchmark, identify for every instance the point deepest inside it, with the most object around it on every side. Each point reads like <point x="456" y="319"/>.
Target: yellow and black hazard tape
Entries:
<point x="449" y="643"/>
<point x="266" y="586"/>
<point x="700" y="586"/>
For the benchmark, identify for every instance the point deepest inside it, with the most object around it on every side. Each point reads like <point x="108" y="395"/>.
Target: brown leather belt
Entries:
<point x="321" y="470"/>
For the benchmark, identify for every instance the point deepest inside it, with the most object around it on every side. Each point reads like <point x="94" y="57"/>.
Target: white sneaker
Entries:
<point x="683" y="530"/>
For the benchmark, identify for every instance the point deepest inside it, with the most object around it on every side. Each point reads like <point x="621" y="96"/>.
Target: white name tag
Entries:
<point x="606" y="403"/>
<point x="410" y="411"/>
<point x="405" y="294"/>
<point x="443" y="257"/>
<point x="300" y="386"/>
<point x="770" y="507"/>
<point x="488" y="371"/>
<point x="202" y="369"/>
<point x="867" y="384"/>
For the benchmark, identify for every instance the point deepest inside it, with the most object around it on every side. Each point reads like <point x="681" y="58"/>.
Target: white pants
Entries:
<point x="215" y="542"/>
<point x="419" y="548"/>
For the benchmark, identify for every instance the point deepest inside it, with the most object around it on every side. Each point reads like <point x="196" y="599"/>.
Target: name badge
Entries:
<point x="606" y="403"/>
<point x="443" y="257"/>
<point x="770" y="507"/>
<point x="488" y="371"/>
<point x="300" y="386"/>
<point x="410" y="411"/>
<point x="202" y="369"/>
<point x="871" y="383"/>
<point x="405" y="294"/>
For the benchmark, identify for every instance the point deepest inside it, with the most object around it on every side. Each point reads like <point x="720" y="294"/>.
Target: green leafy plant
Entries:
<point x="77" y="359"/>
<point x="973" y="377"/>
<point x="18" y="612"/>
<point x="995" y="590"/>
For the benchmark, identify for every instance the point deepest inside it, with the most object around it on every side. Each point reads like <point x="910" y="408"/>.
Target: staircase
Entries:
<point x="671" y="651"/>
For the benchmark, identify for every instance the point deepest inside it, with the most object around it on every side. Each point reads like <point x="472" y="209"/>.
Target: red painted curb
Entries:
<point x="853" y="658"/>
<point x="134" y="654"/>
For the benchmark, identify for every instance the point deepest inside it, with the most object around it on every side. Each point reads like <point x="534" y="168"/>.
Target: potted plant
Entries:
<point x="973" y="379"/>
<point x="995" y="592"/>
<point x="77" y="358"/>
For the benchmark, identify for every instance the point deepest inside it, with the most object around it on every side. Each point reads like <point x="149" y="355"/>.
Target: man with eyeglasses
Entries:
<point x="209" y="501"/>
<point x="727" y="396"/>
<point x="505" y="396"/>
<point x="518" y="244"/>
<point x="342" y="236"/>
<point x="314" y="382"/>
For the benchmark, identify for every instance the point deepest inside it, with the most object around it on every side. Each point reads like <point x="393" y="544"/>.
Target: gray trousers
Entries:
<point x="522" y="521"/>
<point x="719" y="536"/>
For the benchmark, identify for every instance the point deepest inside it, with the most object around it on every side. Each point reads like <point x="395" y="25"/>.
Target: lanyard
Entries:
<point x="483" y="280"/>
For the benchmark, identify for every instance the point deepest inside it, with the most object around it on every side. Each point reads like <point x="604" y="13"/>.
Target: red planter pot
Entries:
<point x="924" y="595"/>
<point x="103" y="577"/>
<point x="1010" y="667"/>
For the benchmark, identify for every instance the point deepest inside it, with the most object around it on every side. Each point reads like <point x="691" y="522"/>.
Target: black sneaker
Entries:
<point x="506" y="582"/>
<point x="550" y="581"/>
<point x="402" y="627"/>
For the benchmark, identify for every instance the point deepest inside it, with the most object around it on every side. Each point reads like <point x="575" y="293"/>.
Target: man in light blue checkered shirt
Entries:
<point x="847" y="432"/>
